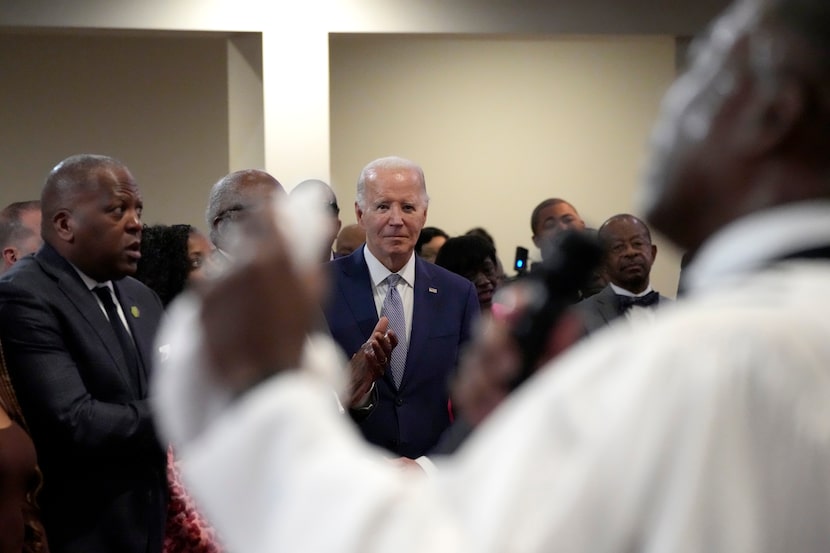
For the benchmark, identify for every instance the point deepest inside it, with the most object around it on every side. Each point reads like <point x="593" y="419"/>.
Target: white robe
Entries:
<point x="706" y="428"/>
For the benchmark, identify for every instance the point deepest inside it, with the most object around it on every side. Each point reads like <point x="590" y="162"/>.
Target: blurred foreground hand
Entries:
<point x="256" y="315"/>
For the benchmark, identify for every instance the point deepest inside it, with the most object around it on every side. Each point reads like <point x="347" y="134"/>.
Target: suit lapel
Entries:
<point x="74" y="289"/>
<point x="132" y="314"/>
<point x="357" y="290"/>
<point x="609" y="304"/>
<point x="421" y="308"/>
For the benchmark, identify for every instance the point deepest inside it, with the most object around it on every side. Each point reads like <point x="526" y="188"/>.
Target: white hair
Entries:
<point x="389" y="162"/>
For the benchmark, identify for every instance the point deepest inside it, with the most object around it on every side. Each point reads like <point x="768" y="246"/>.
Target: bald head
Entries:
<point x="349" y="239"/>
<point x="320" y="188"/>
<point x="67" y="181"/>
<point x="326" y="194"/>
<point x="92" y="210"/>
<point x="234" y="195"/>
<point x="611" y="226"/>
<point x="747" y="128"/>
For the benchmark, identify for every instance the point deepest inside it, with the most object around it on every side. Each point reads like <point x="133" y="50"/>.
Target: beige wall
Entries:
<point x="295" y="42"/>
<point x="175" y="144"/>
<point x="158" y="103"/>
<point x="501" y="124"/>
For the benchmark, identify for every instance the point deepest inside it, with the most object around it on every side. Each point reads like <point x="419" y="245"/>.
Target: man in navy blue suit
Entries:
<point x="430" y="310"/>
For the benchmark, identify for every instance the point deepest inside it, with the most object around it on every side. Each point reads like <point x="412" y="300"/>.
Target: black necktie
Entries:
<point x="124" y="338"/>
<point x="627" y="302"/>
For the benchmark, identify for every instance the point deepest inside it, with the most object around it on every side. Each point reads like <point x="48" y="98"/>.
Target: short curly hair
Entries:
<point x="164" y="264"/>
<point x="466" y="255"/>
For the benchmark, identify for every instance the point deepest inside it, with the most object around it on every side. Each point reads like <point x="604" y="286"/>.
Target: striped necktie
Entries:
<point x="393" y="309"/>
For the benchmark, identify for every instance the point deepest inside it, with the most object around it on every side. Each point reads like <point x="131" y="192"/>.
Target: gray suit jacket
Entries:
<point x="602" y="308"/>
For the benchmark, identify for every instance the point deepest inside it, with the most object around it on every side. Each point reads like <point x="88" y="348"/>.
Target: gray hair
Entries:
<point x="389" y="162"/>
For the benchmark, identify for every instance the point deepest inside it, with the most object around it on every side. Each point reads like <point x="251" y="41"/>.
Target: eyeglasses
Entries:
<point x="233" y="214"/>
<point x="238" y="213"/>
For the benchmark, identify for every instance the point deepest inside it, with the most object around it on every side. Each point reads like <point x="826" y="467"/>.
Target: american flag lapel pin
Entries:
<point x="433" y="290"/>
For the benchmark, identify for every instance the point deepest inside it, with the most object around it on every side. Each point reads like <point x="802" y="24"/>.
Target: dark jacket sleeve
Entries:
<point x="65" y="382"/>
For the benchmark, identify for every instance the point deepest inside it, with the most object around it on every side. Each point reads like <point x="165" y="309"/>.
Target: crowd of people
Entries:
<point x="385" y="386"/>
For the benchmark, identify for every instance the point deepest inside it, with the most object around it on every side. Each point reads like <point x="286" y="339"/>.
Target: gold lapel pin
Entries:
<point x="135" y="312"/>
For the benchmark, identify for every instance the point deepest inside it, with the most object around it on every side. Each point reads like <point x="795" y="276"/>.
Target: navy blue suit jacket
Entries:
<point x="406" y="421"/>
<point x="105" y="486"/>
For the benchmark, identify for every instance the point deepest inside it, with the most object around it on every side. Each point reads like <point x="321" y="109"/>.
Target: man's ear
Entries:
<point x="774" y="113"/>
<point x="9" y="256"/>
<point x="653" y="252"/>
<point x="358" y="213"/>
<point x="536" y="241"/>
<point x="63" y="225"/>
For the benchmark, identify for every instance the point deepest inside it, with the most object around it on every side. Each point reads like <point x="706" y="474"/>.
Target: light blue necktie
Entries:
<point x="393" y="309"/>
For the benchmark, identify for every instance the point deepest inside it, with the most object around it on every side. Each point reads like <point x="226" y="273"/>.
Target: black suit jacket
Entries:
<point x="602" y="308"/>
<point x="407" y="421"/>
<point x="103" y="467"/>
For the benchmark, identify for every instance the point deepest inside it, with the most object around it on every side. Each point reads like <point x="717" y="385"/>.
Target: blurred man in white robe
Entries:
<point x="705" y="429"/>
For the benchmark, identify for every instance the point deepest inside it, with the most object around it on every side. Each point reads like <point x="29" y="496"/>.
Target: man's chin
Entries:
<point x="129" y="268"/>
<point x="634" y="272"/>
<point x="634" y="284"/>
<point x="398" y="249"/>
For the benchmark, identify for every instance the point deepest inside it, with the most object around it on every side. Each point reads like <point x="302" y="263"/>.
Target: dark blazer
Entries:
<point x="410" y="420"/>
<point x="103" y="467"/>
<point x="602" y="308"/>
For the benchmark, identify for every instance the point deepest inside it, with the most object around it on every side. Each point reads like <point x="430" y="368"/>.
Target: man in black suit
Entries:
<point x="78" y="332"/>
<point x="629" y="255"/>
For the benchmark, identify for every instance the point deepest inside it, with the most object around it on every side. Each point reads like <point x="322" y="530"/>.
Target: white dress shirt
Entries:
<point x="406" y="285"/>
<point x="91" y="284"/>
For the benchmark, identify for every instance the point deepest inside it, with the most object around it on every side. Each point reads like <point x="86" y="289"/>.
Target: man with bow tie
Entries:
<point x="629" y="255"/>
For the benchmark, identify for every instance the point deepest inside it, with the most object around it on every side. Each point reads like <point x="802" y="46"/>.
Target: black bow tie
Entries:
<point x="650" y="299"/>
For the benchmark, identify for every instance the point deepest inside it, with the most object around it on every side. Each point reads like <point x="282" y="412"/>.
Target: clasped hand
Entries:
<point x="370" y="362"/>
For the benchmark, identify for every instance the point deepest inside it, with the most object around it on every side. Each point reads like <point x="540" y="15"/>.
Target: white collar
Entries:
<point x="91" y="282"/>
<point x="378" y="271"/>
<point x="623" y="292"/>
<point x="753" y="241"/>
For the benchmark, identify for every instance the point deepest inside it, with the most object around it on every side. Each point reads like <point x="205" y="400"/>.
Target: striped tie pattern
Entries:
<point x="393" y="309"/>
